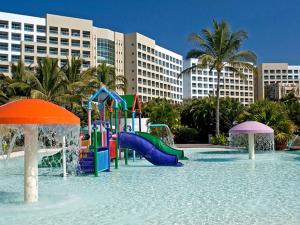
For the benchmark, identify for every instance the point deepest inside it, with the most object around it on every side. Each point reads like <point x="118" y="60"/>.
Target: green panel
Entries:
<point x="99" y="139"/>
<point x="162" y="146"/>
<point x="129" y="99"/>
<point x="54" y="160"/>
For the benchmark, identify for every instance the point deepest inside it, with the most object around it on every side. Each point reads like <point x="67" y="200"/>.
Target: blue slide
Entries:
<point x="148" y="150"/>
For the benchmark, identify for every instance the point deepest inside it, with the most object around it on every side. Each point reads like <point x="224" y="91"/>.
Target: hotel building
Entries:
<point x="151" y="70"/>
<point x="275" y="80"/>
<point x="200" y="83"/>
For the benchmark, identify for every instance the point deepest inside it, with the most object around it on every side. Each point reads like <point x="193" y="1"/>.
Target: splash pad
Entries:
<point x="253" y="136"/>
<point x="34" y="120"/>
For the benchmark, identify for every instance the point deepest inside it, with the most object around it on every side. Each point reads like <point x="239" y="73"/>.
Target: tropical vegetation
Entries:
<point x="219" y="47"/>
<point x="67" y="85"/>
<point x="274" y="115"/>
<point x="200" y="115"/>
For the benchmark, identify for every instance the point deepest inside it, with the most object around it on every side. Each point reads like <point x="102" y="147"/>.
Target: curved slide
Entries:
<point x="162" y="146"/>
<point x="147" y="149"/>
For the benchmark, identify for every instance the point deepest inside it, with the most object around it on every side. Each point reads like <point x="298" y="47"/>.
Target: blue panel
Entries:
<point x="103" y="158"/>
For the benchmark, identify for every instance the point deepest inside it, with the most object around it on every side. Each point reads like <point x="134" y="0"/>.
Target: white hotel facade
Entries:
<point x="200" y="83"/>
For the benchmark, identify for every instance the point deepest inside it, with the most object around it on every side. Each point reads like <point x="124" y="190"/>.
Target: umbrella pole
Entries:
<point x="251" y="146"/>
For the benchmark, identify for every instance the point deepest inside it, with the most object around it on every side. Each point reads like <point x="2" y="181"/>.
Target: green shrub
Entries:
<point x="219" y="139"/>
<point x="185" y="135"/>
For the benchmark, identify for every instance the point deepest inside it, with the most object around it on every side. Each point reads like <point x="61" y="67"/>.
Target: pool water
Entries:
<point x="213" y="187"/>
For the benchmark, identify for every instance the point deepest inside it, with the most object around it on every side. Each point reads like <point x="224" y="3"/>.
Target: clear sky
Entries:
<point x="273" y="25"/>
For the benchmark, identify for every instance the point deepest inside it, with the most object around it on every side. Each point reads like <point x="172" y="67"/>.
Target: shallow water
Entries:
<point x="211" y="188"/>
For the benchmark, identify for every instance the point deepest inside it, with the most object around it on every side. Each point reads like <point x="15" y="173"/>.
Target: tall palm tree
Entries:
<point x="51" y="81"/>
<point x="107" y="76"/>
<point x="218" y="48"/>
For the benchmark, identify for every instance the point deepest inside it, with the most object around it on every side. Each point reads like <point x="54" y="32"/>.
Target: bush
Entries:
<point x="219" y="139"/>
<point x="200" y="114"/>
<point x="185" y="135"/>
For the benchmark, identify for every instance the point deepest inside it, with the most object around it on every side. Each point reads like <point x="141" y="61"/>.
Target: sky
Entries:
<point x="272" y="25"/>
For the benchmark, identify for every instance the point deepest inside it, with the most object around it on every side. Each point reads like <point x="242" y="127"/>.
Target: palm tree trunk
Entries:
<point x="218" y="104"/>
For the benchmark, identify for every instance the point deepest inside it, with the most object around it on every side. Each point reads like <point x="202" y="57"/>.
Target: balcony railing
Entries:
<point x="41" y="51"/>
<point x="53" y="52"/>
<point x="29" y="50"/>
<point x="3" y="25"/>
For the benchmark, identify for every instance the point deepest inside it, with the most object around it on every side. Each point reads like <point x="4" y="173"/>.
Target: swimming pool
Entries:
<point x="213" y="187"/>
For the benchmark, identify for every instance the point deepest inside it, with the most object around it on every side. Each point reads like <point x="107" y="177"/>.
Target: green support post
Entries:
<point x="95" y="152"/>
<point x="117" y="141"/>
<point x="125" y="129"/>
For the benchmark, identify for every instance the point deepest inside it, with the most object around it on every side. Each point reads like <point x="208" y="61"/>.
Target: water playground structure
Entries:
<point x="253" y="136"/>
<point x="40" y="122"/>
<point x="30" y="118"/>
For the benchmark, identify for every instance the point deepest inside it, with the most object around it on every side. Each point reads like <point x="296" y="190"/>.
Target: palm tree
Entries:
<point x="20" y="83"/>
<point x="107" y="76"/>
<point x="51" y="81"/>
<point x="80" y="85"/>
<point x="219" y="48"/>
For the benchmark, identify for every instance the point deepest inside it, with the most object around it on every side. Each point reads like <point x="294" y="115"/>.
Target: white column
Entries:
<point x="31" y="163"/>
<point x="64" y="157"/>
<point x="251" y="146"/>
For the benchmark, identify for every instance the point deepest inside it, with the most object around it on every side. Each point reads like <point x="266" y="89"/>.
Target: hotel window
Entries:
<point x="53" y="40"/>
<point x="75" y="33"/>
<point x="139" y="46"/>
<point x="29" y="48"/>
<point x="15" y="47"/>
<point x="28" y="27"/>
<point x="3" y="69"/>
<point x="106" y="51"/>
<point x="4" y="35"/>
<point x="75" y="43"/>
<point x="86" y="54"/>
<point x="15" y="58"/>
<point x="283" y="71"/>
<point x="64" y="31"/>
<point x="3" y="24"/>
<point x="40" y="29"/>
<point x="41" y="39"/>
<point x="64" y="41"/>
<point x="86" y="44"/>
<point x="28" y="37"/>
<point x="64" y="52"/>
<point x="75" y="53"/>
<point x="16" y="37"/>
<point x="41" y="50"/>
<point x="86" y="34"/>
<point x="53" y="30"/>
<point x="4" y="46"/>
<point x="53" y="51"/>
<point x="16" y="26"/>
<point x="3" y="57"/>
<point x="29" y="59"/>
